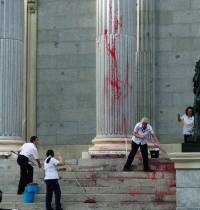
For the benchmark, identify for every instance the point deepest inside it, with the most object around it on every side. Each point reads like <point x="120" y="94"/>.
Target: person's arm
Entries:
<point x="61" y="161"/>
<point x="61" y="165"/>
<point x="179" y="117"/>
<point x="38" y="162"/>
<point x="137" y="135"/>
<point x="154" y="138"/>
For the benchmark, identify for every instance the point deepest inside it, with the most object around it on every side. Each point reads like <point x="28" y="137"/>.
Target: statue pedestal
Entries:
<point x="190" y="147"/>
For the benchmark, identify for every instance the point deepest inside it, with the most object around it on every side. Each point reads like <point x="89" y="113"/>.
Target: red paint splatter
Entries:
<point x="113" y="78"/>
<point x="117" y="25"/>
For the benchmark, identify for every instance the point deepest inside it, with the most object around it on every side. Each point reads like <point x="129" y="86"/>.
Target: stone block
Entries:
<point x="46" y="23"/>
<point x="86" y="127"/>
<point x="164" y="17"/>
<point x="47" y="128"/>
<point x="188" y="178"/>
<point x="47" y="36"/>
<point x="195" y="4"/>
<point x="164" y="5"/>
<point x="189" y="16"/>
<point x="165" y="44"/>
<point x="87" y="21"/>
<point x="47" y="139"/>
<point x="67" y="128"/>
<point x="192" y="195"/>
<point x="73" y="61"/>
<point x="46" y="61"/>
<point x="66" y="21"/>
<point x="87" y="7"/>
<point x="77" y="34"/>
<point x="182" y="44"/>
<point x="87" y="74"/>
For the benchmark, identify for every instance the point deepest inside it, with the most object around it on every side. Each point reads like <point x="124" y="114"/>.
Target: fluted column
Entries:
<point x="114" y="75"/>
<point x="11" y="69"/>
<point x="145" y="60"/>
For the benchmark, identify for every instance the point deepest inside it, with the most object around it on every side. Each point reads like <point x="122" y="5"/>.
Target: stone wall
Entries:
<point x="188" y="189"/>
<point x="177" y="50"/>
<point x="66" y="98"/>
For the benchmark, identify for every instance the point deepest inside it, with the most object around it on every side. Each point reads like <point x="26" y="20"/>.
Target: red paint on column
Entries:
<point x="114" y="80"/>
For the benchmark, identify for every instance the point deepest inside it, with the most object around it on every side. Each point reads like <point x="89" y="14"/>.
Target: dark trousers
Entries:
<point x="187" y="138"/>
<point x="26" y="173"/>
<point x="134" y="149"/>
<point x="52" y="186"/>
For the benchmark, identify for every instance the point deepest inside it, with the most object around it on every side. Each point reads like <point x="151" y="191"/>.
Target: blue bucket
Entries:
<point x="33" y="187"/>
<point x="28" y="197"/>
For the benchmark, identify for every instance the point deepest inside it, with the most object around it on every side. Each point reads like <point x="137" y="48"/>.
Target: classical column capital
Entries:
<point x="32" y="6"/>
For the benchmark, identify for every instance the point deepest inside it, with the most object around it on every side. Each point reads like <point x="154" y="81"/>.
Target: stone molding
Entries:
<point x="110" y="146"/>
<point x="186" y="160"/>
<point x="30" y="66"/>
<point x="32" y="6"/>
<point x="8" y="145"/>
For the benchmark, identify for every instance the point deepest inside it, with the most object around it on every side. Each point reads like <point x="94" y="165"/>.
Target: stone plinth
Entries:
<point x="110" y="147"/>
<point x="187" y="180"/>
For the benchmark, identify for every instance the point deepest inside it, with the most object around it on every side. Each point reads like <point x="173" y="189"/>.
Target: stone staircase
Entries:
<point x="104" y="181"/>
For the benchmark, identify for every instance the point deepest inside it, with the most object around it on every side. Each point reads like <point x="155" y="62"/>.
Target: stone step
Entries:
<point x="98" y="165"/>
<point x="129" y="196"/>
<point x="94" y="175"/>
<point x="104" y="181"/>
<point x="104" y="187"/>
<point x="98" y="206"/>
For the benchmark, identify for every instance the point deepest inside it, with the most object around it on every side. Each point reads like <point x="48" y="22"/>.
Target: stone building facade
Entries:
<point x="55" y="67"/>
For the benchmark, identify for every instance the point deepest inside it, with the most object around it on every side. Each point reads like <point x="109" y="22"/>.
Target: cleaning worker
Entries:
<point x="51" y="179"/>
<point x="26" y="152"/>
<point x="141" y="135"/>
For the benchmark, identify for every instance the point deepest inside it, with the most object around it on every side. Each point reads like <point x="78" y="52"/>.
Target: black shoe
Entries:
<point x="126" y="169"/>
<point x="148" y="170"/>
<point x="20" y="193"/>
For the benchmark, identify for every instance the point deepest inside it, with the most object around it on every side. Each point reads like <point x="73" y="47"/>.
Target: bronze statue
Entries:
<point x="196" y="90"/>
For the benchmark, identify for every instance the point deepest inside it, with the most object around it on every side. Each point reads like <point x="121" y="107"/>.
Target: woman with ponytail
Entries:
<point x="51" y="179"/>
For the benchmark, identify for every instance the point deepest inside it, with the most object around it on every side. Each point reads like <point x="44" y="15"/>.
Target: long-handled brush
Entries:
<point x="31" y="162"/>
<point x="88" y="200"/>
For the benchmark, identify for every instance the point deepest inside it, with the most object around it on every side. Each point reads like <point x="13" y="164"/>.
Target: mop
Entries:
<point x="31" y="162"/>
<point x="88" y="200"/>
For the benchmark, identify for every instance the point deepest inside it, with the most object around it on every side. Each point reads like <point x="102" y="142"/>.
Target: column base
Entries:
<point x="110" y="147"/>
<point x="8" y="145"/>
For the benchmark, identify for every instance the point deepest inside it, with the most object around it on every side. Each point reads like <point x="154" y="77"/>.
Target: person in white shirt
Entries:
<point x="142" y="133"/>
<point x="188" y="123"/>
<point x="51" y="179"/>
<point x="26" y="152"/>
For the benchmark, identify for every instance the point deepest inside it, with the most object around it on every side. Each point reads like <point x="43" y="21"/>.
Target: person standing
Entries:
<point x="188" y="123"/>
<point x="51" y="179"/>
<point x="26" y="152"/>
<point x="142" y="133"/>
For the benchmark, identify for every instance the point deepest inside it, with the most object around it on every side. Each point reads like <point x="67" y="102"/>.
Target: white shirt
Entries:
<point x="51" y="171"/>
<point x="29" y="150"/>
<point x="188" y="124"/>
<point x="143" y="132"/>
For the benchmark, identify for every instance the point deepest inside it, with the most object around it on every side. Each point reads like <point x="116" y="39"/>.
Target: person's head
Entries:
<point x="34" y="139"/>
<point x="50" y="154"/>
<point x="189" y="111"/>
<point x="144" y="122"/>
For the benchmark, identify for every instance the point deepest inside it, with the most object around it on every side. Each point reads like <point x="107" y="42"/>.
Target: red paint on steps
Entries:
<point x="159" y="196"/>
